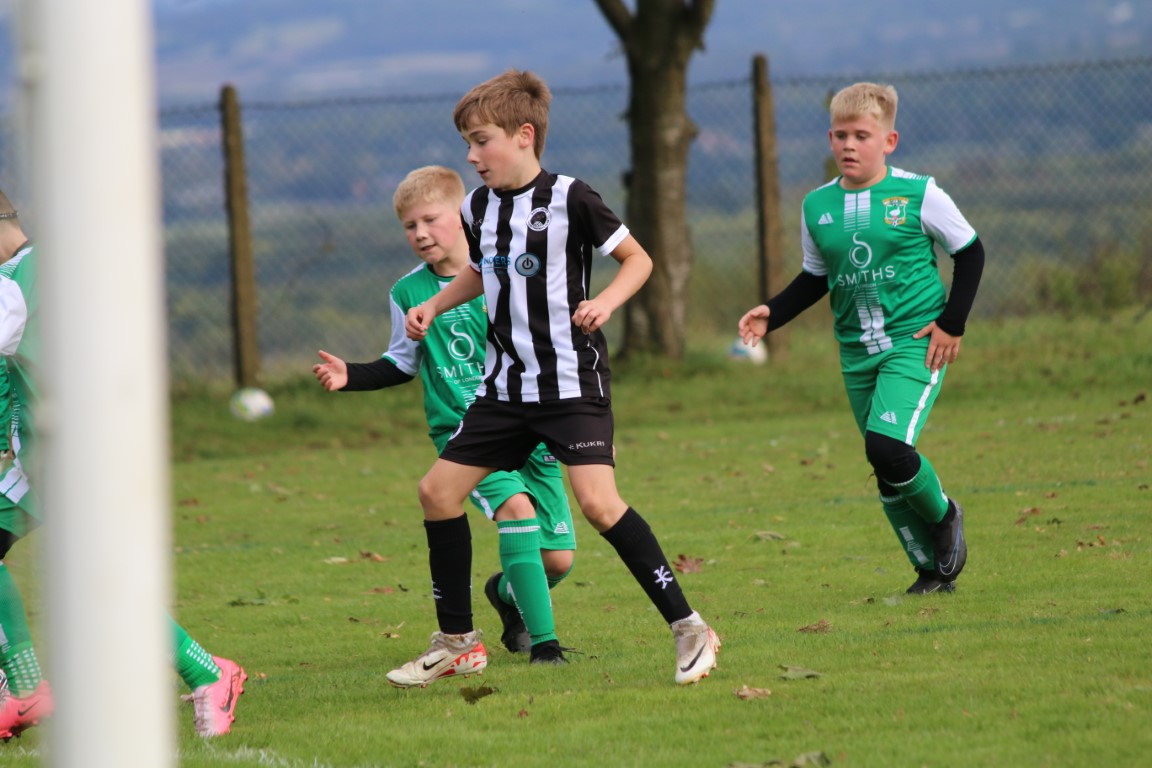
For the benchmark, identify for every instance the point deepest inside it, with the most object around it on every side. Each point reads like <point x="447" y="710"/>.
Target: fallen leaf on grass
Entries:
<point x="769" y="535"/>
<point x="745" y="693"/>
<point x="335" y="560"/>
<point x="685" y="564"/>
<point x="820" y="627"/>
<point x="279" y="490"/>
<point x="797" y="673"/>
<point x="262" y="599"/>
<point x="380" y="591"/>
<point x="805" y="760"/>
<point x="374" y="557"/>
<point x="473" y="695"/>
<point x="1027" y="513"/>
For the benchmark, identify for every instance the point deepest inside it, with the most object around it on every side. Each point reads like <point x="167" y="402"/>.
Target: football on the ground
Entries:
<point x="251" y="404"/>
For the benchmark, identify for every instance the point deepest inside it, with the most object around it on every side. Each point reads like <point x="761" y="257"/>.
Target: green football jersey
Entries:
<point x="19" y="337"/>
<point x="19" y="345"/>
<point x="875" y="246"/>
<point x="450" y="359"/>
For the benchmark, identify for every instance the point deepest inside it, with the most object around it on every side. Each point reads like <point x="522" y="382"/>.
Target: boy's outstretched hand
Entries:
<point x="943" y="348"/>
<point x="754" y="325"/>
<point x="332" y="373"/>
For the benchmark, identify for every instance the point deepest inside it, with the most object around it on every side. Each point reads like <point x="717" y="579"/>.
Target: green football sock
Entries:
<point x="17" y="655"/>
<point x="924" y="493"/>
<point x="504" y="589"/>
<point x="194" y="664"/>
<point x="520" y="559"/>
<point x="910" y="529"/>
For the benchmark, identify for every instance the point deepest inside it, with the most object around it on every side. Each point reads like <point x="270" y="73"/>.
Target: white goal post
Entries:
<point x="88" y="106"/>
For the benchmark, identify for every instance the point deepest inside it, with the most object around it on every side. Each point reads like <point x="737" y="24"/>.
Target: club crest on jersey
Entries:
<point x="527" y="264"/>
<point x="539" y="219"/>
<point x="895" y="211"/>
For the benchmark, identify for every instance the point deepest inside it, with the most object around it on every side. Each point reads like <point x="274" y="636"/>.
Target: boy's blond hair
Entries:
<point x="860" y="99"/>
<point x="429" y="184"/>
<point x="509" y="101"/>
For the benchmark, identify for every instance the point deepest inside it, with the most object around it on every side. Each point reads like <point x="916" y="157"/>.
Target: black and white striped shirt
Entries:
<point x="533" y="248"/>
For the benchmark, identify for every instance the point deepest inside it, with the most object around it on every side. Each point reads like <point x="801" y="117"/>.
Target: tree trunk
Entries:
<point x="658" y="42"/>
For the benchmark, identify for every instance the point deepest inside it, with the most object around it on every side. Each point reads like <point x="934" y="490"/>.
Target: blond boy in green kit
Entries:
<point x="530" y="505"/>
<point x="868" y="238"/>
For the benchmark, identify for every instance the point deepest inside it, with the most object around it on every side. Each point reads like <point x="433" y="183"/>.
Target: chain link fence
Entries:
<point x="1052" y="165"/>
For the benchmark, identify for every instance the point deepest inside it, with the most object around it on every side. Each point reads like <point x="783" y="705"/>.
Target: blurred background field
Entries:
<point x="1050" y="163"/>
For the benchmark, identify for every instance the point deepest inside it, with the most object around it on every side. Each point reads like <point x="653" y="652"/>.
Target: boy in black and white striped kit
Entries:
<point x="532" y="237"/>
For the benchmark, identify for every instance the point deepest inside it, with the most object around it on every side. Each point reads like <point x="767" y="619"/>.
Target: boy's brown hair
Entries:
<point x="509" y="101"/>
<point x="859" y="99"/>
<point x="428" y="184"/>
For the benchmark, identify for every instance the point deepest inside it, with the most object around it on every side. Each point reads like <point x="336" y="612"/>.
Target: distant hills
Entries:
<point x="304" y="49"/>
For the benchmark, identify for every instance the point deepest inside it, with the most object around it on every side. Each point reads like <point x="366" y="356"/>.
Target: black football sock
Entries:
<point x="640" y="551"/>
<point x="450" y="562"/>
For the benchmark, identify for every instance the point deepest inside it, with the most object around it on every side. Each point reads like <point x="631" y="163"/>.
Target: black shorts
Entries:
<point x="503" y="435"/>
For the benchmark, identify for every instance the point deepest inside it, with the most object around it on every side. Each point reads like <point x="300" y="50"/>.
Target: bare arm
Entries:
<point x="635" y="267"/>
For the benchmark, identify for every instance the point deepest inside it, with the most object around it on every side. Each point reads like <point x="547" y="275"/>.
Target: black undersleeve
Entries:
<point x="805" y="290"/>
<point x="377" y="374"/>
<point x="967" y="267"/>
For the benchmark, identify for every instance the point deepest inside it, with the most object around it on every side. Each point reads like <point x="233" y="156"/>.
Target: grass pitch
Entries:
<point x="300" y="552"/>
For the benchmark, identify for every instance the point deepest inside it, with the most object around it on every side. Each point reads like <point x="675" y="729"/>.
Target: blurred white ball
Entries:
<point x="251" y="404"/>
<point x="741" y="351"/>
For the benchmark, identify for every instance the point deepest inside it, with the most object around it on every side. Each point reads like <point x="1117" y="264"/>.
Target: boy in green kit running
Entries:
<point x="530" y="506"/>
<point x="868" y="238"/>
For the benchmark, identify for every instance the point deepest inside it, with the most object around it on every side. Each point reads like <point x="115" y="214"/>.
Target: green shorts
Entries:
<point x="892" y="392"/>
<point x="19" y="506"/>
<point x="541" y="479"/>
